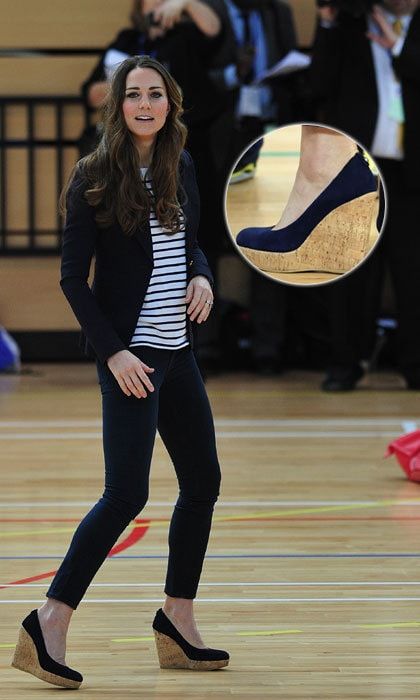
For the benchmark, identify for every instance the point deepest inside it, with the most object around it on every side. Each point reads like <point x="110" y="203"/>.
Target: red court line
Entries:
<point x="134" y="536"/>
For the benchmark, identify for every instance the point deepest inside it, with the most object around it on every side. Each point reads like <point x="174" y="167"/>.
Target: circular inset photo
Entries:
<point x="311" y="209"/>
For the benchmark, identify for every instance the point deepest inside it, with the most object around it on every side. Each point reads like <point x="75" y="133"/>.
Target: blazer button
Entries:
<point x="191" y="262"/>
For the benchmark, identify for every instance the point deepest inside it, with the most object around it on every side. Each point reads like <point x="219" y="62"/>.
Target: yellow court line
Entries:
<point x="306" y="511"/>
<point x="226" y="518"/>
<point x="250" y="634"/>
<point x="392" y="624"/>
<point x="240" y="634"/>
<point x="54" y="531"/>
<point x="25" y="533"/>
<point x="267" y="632"/>
<point x="290" y="511"/>
<point x="133" y="639"/>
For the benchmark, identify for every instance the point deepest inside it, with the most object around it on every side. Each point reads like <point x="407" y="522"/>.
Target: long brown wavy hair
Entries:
<point x="114" y="184"/>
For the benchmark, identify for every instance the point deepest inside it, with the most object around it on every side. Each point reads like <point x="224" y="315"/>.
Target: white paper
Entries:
<point x="112" y="60"/>
<point x="293" y="61"/>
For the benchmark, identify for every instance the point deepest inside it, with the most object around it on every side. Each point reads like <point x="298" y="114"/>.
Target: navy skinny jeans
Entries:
<point x="180" y="409"/>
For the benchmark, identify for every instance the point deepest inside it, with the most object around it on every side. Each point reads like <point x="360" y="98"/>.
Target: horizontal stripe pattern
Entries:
<point x="162" y="322"/>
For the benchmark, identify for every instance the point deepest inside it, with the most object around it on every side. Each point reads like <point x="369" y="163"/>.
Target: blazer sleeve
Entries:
<point x="78" y="247"/>
<point x="198" y="264"/>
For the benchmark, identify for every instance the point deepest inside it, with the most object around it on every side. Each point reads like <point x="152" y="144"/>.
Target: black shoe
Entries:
<point x="31" y="656"/>
<point x="175" y="652"/>
<point x="342" y="378"/>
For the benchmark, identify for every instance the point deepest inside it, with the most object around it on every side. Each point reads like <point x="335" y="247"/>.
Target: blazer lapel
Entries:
<point x="187" y="214"/>
<point x="187" y="210"/>
<point x="144" y="236"/>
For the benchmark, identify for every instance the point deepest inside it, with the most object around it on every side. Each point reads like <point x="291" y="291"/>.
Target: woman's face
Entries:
<point x="146" y="104"/>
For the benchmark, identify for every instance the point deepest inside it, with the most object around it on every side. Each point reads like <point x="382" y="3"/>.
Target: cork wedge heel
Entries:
<point x="339" y="242"/>
<point x="175" y="652"/>
<point x="170" y="655"/>
<point x="32" y="657"/>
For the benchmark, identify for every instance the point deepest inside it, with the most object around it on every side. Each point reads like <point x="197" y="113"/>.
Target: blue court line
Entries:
<point x="339" y="555"/>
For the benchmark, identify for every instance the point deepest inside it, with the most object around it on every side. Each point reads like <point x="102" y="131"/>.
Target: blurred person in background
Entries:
<point x="366" y="80"/>
<point x="257" y="34"/>
<point x="178" y="33"/>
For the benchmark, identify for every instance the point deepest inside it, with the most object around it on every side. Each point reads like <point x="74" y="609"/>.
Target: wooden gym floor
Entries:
<point x="261" y="200"/>
<point x="312" y="576"/>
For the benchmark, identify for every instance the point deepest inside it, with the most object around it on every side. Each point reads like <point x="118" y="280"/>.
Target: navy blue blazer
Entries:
<point x="108" y="311"/>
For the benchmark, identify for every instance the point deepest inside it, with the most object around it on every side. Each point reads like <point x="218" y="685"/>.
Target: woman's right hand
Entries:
<point x="131" y="373"/>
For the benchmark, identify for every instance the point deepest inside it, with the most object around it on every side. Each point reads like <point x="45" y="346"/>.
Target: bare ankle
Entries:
<point x="316" y="167"/>
<point x="181" y="608"/>
<point x="55" y="610"/>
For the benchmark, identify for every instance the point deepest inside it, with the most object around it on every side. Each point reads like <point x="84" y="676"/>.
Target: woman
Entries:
<point x="134" y="204"/>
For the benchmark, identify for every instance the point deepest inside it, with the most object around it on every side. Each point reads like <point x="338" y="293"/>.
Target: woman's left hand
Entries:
<point x="199" y="298"/>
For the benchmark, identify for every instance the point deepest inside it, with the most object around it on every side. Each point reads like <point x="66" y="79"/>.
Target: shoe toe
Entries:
<point x="73" y="675"/>
<point x="248" y="237"/>
<point x="221" y="654"/>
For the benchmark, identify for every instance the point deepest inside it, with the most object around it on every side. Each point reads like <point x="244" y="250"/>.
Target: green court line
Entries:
<point x="392" y="624"/>
<point x="281" y="154"/>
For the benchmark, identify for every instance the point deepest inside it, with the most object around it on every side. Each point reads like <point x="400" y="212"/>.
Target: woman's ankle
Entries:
<point x="55" y="610"/>
<point x="323" y="152"/>
<point x="317" y="171"/>
<point x="180" y="608"/>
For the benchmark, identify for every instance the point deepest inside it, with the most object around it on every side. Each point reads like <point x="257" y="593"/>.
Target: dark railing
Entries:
<point x="9" y="236"/>
<point x="33" y="240"/>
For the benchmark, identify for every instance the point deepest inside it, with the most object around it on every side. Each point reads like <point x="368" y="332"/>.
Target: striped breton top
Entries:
<point x="162" y="322"/>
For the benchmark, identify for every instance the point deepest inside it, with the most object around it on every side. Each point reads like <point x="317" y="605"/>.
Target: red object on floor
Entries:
<point x="407" y="450"/>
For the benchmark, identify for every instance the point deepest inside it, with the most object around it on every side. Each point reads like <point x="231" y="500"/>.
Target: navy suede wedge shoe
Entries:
<point x="333" y="234"/>
<point x="31" y="656"/>
<point x="175" y="652"/>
